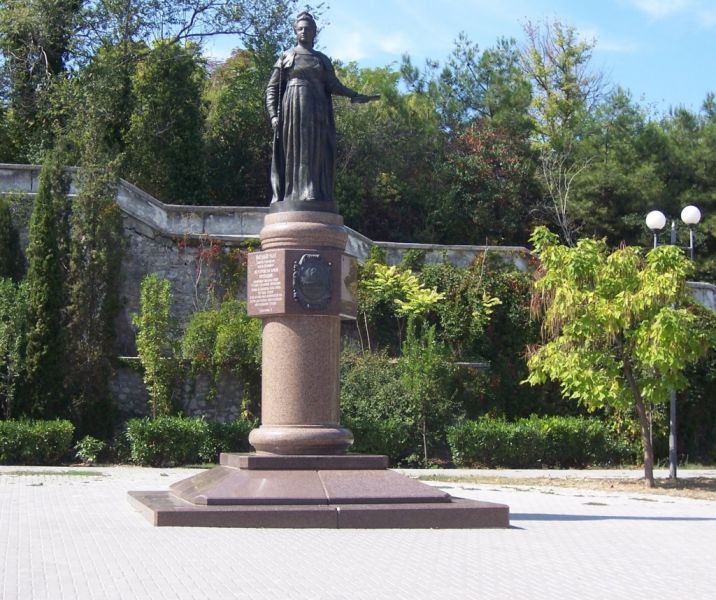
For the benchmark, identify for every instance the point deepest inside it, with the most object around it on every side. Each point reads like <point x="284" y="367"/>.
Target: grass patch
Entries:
<point x="64" y="473"/>
<point x="691" y="487"/>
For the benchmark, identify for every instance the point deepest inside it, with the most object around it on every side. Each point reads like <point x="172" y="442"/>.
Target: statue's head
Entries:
<point x="305" y="28"/>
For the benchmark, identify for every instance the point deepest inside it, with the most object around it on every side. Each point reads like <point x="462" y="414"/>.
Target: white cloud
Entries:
<point x="394" y="43"/>
<point x="707" y="17"/>
<point x="359" y="45"/>
<point x="606" y="43"/>
<point x="617" y="46"/>
<point x="348" y="46"/>
<point x="660" y="9"/>
<point x="701" y="12"/>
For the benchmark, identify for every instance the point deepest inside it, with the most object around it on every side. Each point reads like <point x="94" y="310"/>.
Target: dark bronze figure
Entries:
<point x="298" y="100"/>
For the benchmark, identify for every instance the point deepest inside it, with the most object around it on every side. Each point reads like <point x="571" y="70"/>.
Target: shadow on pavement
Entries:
<point x="558" y="517"/>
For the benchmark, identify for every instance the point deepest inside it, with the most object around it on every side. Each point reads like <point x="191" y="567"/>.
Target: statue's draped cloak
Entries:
<point x="299" y="93"/>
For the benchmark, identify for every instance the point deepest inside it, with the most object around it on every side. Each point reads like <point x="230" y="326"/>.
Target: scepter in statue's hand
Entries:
<point x="362" y="99"/>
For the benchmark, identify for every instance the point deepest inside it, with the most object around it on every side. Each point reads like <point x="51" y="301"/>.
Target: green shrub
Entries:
<point x="231" y="436"/>
<point x="174" y="441"/>
<point x="35" y="442"/>
<point x="224" y="340"/>
<point x="393" y="437"/>
<point x="558" y="442"/>
<point x="88" y="449"/>
<point x="374" y="406"/>
<point x="156" y="343"/>
<point x="166" y="441"/>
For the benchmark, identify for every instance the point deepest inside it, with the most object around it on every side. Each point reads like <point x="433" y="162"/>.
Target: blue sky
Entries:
<point x="663" y="51"/>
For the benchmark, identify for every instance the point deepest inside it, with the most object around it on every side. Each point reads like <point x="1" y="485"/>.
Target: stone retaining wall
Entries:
<point x="168" y="240"/>
<point x="191" y="393"/>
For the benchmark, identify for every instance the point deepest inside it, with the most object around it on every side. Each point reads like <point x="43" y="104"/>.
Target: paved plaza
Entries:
<point x="68" y="533"/>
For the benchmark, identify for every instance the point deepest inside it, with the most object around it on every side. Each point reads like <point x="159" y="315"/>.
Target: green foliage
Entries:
<point x="697" y="413"/>
<point x="399" y="407"/>
<point x="485" y="318"/>
<point x="13" y="323"/>
<point x="10" y="255"/>
<point x="375" y="406"/>
<point x="387" y="152"/>
<point x="237" y="133"/>
<point x="564" y="90"/>
<point x="392" y="437"/>
<point x="620" y="329"/>
<point x="537" y="442"/>
<point x="467" y="303"/>
<point x="491" y="172"/>
<point x="165" y="132"/>
<point x="46" y="295"/>
<point x="229" y="436"/>
<point x="155" y="342"/>
<point x="167" y="441"/>
<point x="93" y="298"/>
<point x="607" y="313"/>
<point x="35" y="40"/>
<point x="175" y="441"/>
<point x="391" y="293"/>
<point x="35" y="442"/>
<point x="88" y="449"/>
<point x="226" y="340"/>
<point x="428" y="378"/>
<point x="107" y="101"/>
<point x="7" y="151"/>
<point x="473" y="86"/>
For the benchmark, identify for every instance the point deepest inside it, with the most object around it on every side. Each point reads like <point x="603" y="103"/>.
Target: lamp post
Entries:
<point x="656" y="220"/>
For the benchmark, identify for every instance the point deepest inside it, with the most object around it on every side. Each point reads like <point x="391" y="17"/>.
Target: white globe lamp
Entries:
<point x="690" y="215"/>
<point x="656" y="220"/>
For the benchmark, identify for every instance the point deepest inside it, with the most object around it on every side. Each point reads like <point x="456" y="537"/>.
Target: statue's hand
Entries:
<point x="274" y="122"/>
<point x="362" y="99"/>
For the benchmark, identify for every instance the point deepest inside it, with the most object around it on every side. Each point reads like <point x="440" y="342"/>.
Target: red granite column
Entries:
<point x="295" y="287"/>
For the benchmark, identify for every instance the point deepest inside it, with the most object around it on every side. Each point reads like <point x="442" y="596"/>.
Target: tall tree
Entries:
<point x="682" y="147"/>
<point x="165" y="133"/>
<point x="565" y="90"/>
<point x="474" y="85"/>
<point x="254" y="21"/>
<point x="13" y="321"/>
<point x="35" y="42"/>
<point x="10" y="255"/>
<point x="93" y="294"/>
<point x="43" y="391"/>
<point x="388" y="152"/>
<point x="491" y="176"/>
<point x="238" y="135"/>
<point x="106" y="97"/>
<point x="7" y="150"/>
<point x="486" y="172"/>
<point x="619" y="329"/>
<point x="623" y="181"/>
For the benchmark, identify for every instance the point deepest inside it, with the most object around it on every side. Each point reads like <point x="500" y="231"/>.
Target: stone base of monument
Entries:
<point x="336" y="492"/>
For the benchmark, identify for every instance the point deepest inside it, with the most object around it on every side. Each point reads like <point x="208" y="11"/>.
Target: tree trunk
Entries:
<point x="646" y="442"/>
<point x="425" y="444"/>
<point x="643" y="424"/>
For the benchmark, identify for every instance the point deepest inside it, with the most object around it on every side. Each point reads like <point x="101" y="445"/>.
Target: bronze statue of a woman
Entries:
<point x="298" y="100"/>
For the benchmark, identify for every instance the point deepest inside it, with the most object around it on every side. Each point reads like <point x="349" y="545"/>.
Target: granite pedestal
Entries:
<point x="337" y="492"/>
<point x="300" y="285"/>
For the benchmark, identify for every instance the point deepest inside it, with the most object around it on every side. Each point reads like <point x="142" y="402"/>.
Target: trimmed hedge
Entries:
<point x="393" y="437"/>
<point x="174" y="441"/>
<point x="35" y="442"/>
<point x="556" y="442"/>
